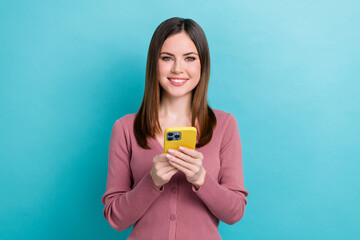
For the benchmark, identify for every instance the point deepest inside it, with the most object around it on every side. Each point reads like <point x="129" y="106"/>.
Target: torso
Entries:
<point x="140" y="162"/>
<point x="160" y="139"/>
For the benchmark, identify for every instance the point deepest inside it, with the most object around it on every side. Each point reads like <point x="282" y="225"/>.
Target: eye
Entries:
<point x="190" y="58"/>
<point x="166" y="58"/>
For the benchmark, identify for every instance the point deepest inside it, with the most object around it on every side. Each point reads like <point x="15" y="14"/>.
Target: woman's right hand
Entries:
<point x="162" y="170"/>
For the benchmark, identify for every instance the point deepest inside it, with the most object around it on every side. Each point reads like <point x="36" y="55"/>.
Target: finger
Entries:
<point x="166" y="169"/>
<point x="186" y="171"/>
<point x="166" y="164"/>
<point x="171" y="173"/>
<point x="182" y="156"/>
<point x="161" y="157"/>
<point x="191" y="152"/>
<point x="182" y="163"/>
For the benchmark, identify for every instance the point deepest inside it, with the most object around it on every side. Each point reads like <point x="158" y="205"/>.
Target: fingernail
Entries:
<point x="171" y="151"/>
<point x="168" y="155"/>
<point x="181" y="148"/>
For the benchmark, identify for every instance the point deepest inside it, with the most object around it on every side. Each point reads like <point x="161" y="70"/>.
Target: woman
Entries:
<point x="182" y="194"/>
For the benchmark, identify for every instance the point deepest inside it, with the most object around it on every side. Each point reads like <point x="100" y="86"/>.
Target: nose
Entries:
<point x="176" y="68"/>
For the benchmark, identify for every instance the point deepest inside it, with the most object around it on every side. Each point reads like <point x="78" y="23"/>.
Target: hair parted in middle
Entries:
<point x="146" y="123"/>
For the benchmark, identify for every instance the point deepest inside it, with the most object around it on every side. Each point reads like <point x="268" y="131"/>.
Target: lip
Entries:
<point x="178" y="84"/>
<point x="178" y="78"/>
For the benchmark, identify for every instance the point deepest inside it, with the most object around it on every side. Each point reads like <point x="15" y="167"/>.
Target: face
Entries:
<point x="179" y="66"/>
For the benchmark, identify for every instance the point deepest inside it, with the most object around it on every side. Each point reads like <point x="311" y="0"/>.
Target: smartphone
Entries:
<point x="179" y="136"/>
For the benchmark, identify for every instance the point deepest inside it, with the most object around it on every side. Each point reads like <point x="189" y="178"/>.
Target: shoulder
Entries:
<point x="125" y="122"/>
<point x="223" y="117"/>
<point x="226" y="128"/>
<point x="226" y="124"/>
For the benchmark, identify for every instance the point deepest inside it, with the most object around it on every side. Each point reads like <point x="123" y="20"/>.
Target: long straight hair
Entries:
<point x="146" y="123"/>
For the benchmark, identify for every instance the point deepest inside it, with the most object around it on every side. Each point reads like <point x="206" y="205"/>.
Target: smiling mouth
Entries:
<point x="178" y="81"/>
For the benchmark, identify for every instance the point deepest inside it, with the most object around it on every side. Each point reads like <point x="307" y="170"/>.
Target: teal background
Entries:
<point x="287" y="70"/>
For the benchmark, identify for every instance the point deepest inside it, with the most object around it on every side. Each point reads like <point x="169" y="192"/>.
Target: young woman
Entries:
<point x="182" y="194"/>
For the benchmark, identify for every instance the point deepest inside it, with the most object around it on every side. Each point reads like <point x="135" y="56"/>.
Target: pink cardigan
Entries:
<point x="178" y="210"/>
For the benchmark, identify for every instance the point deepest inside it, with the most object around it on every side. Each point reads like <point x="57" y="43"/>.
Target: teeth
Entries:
<point x="177" y="80"/>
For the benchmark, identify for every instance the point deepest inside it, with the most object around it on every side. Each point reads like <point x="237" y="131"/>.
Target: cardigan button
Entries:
<point x="174" y="189"/>
<point x="173" y="217"/>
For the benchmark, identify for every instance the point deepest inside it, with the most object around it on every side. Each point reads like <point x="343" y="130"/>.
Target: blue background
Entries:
<point x="287" y="70"/>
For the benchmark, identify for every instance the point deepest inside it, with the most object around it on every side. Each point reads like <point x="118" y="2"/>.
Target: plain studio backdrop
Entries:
<point x="287" y="70"/>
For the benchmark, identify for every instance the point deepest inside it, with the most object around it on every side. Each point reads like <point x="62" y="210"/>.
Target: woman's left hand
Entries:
<point x="188" y="161"/>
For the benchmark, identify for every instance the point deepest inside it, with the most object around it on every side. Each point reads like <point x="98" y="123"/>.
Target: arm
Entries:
<point x="226" y="199"/>
<point x="124" y="205"/>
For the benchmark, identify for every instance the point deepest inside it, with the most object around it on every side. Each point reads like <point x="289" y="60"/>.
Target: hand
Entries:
<point x="162" y="170"/>
<point x="188" y="161"/>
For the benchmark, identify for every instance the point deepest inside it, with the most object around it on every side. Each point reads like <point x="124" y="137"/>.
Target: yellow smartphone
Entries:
<point x="179" y="136"/>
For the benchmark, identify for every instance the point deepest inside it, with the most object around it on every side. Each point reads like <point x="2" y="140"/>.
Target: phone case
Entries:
<point x="179" y="136"/>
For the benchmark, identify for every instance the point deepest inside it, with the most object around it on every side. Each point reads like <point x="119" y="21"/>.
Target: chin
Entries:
<point x="177" y="94"/>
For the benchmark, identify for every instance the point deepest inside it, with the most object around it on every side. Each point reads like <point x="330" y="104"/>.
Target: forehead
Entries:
<point x="179" y="43"/>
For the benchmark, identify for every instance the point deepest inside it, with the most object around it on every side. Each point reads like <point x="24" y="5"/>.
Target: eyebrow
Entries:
<point x="173" y="54"/>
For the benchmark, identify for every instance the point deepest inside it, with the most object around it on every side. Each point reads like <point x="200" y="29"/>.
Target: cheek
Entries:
<point x="163" y="68"/>
<point x="195" y="70"/>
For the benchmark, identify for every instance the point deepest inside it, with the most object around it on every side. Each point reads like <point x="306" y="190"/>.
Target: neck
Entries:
<point x="175" y="107"/>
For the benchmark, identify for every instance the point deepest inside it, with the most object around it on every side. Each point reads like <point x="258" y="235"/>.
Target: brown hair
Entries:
<point x="146" y="123"/>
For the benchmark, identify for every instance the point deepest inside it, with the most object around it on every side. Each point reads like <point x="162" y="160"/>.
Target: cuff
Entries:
<point x="206" y="180"/>
<point x="151" y="185"/>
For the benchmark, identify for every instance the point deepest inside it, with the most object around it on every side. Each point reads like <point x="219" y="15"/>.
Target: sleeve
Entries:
<point x="124" y="205"/>
<point x="226" y="199"/>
